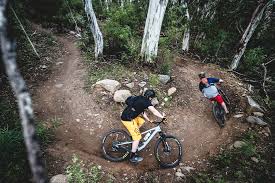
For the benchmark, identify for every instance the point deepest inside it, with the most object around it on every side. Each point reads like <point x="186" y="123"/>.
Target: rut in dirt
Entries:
<point x="87" y="115"/>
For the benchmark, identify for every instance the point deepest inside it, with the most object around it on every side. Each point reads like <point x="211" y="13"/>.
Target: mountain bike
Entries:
<point x="117" y="144"/>
<point x="218" y="110"/>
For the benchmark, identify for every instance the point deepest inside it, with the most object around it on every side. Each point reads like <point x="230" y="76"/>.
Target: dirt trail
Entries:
<point x="86" y="116"/>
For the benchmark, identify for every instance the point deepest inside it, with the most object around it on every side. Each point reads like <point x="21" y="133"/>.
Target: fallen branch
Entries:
<point x="23" y="29"/>
<point x="265" y="71"/>
<point x="73" y="18"/>
<point x="18" y="84"/>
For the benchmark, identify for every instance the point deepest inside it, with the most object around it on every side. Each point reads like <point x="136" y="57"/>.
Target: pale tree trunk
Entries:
<point x="122" y="3"/>
<point x="107" y="4"/>
<point x="8" y="53"/>
<point x="186" y="35"/>
<point x="152" y="29"/>
<point x="23" y="29"/>
<point x="98" y="38"/>
<point x="254" y="22"/>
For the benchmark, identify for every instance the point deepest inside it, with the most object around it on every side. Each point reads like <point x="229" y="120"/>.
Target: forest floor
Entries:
<point x="87" y="114"/>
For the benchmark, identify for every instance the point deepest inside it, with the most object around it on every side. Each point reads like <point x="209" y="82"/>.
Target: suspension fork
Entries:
<point x="166" y="146"/>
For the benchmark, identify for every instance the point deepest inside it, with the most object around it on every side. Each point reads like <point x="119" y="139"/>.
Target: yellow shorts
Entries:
<point x="133" y="127"/>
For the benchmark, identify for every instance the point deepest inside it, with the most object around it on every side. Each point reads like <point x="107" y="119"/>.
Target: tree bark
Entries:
<point x="152" y="29"/>
<point x="98" y="38"/>
<point x="19" y="87"/>
<point x="186" y="35"/>
<point x="254" y="22"/>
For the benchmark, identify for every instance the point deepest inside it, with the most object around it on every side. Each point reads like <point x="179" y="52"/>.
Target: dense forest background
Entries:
<point x="216" y="28"/>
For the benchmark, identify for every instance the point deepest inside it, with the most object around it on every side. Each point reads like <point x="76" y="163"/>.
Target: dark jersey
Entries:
<point x="210" y="81"/>
<point x="138" y="105"/>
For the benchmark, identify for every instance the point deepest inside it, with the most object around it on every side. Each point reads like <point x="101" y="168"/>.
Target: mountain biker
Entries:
<point x="132" y="120"/>
<point x="210" y="91"/>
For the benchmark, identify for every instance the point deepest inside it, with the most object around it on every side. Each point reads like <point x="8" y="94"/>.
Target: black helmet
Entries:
<point x="150" y="94"/>
<point x="202" y="75"/>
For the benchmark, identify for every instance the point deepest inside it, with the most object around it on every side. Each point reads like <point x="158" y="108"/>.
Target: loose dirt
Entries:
<point x="86" y="116"/>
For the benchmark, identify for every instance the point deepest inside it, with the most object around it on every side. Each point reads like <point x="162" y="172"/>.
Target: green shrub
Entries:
<point x="154" y="80"/>
<point x="76" y="172"/>
<point x="253" y="58"/>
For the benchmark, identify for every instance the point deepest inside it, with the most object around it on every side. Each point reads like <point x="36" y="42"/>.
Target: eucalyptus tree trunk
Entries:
<point x="186" y="35"/>
<point x="152" y="29"/>
<point x="254" y="22"/>
<point x="98" y="38"/>
<point x="8" y="53"/>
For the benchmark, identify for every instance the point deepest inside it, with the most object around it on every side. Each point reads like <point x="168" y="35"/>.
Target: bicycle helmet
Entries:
<point x="150" y="94"/>
<point x="201" y="75"/>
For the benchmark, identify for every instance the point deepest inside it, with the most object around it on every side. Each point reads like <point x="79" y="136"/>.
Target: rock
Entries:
<point x="253" y="106"/>
<point x="178" y="170"/>
<point x="59" y="63"/>
<point x="59" y="85"/>
<point x="155" y="101"/>
<point x="121" y="95"/>
<point x="146" y="77"/>
<point x="72" y="32"/>
<point x="109" y="85"/>
<point x="238" y="116"/>
<point x="59" y="179"/>
<point x="179" y="174"/>
<point x="250" y="88"/>
<point x="255" y="120"/>
<point x="44" y="66"/>
<point x="258" y="114"/>
<point x="188" y="168"/>
<point x="239" y="144"/>
<point x="255" y="159"/>
<point x="142" y="84"/>
<point x="130" y="85"/>
<point x="266" y="134"/>
<point x="77" y="120"/>
<point x="164" y="79"/>
<point x="171" y="91"/>
<point x="267" y="130"/>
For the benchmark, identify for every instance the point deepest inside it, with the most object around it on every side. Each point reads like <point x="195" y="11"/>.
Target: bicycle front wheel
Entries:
<point x="168" y="151"/>
<point x="219" y="113"/>
<point x="110" y="148"/>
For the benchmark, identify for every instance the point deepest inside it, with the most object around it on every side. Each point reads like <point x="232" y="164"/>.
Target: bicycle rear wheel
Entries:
<point x="110" y="149"/>
<point x="219" y="113"/>
<point x="168" y="151"/>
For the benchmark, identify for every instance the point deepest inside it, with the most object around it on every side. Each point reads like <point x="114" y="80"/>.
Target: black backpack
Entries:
<point x="130" y="100"/>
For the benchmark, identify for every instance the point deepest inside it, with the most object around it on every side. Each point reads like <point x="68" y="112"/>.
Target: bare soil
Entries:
<point x="86" y="116"/>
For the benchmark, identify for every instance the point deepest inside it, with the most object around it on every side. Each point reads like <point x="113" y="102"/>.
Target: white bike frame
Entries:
<point x="155" y="130"/>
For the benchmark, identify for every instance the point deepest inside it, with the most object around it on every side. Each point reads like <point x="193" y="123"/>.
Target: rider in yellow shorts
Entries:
<point x="131" y="119"/>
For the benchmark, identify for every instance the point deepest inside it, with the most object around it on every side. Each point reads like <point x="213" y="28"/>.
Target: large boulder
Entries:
<point x="121" y="95"/>
<point x="109" y="85"/>
<point x="252" y="105"/>
<point x="255" y="120"/>
<point x="59" y="179"/>
<point x="164" y="79"/>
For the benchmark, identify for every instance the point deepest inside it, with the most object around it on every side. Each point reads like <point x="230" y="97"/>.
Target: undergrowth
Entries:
<point x="249" y="163"/>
